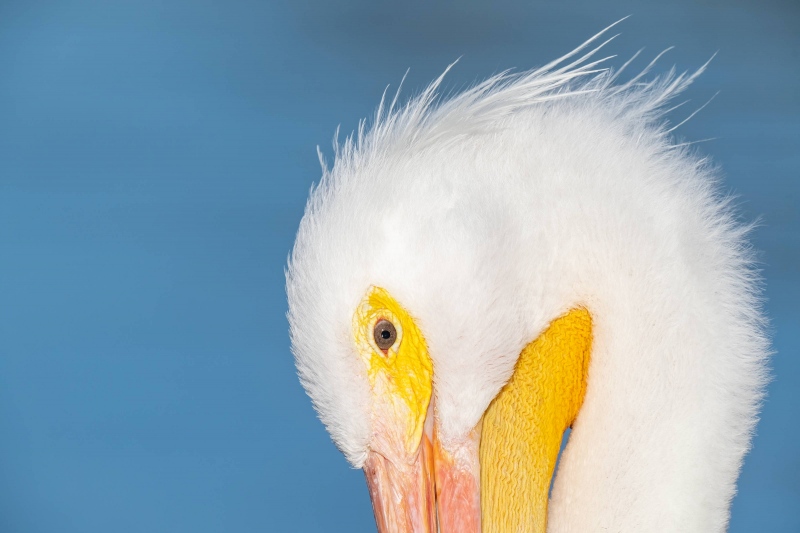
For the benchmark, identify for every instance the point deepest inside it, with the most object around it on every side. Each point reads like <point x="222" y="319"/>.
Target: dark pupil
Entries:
<point x="385" y="334"/>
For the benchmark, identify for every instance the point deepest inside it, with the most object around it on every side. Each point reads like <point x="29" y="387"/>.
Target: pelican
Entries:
<point x="474" y="274"/>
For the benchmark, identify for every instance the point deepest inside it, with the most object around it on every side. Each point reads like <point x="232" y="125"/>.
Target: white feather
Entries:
<point x="493" y="212"/>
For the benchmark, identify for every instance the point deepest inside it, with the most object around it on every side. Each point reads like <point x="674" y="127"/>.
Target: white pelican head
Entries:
<point x="474" y="275"/>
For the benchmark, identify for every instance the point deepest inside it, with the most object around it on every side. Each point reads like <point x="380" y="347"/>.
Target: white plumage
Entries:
<point x="492" y="212"/>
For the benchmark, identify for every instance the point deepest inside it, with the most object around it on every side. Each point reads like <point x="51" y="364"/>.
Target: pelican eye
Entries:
<point x="385" y="334"/>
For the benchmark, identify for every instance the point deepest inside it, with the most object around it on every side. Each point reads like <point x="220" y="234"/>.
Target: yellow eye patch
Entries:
<point x="401" y="376"/>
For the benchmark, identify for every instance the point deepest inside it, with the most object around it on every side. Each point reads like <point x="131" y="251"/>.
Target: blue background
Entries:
<point x="154" y="163"/>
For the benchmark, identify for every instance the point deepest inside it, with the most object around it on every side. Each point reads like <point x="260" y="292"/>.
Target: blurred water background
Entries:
<point x="155" y="157"/>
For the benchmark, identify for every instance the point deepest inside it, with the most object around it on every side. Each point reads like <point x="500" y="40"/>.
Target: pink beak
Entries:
<point x="438" y="491"/>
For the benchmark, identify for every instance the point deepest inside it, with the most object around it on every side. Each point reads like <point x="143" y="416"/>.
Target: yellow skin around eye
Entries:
<point x="401" y="378"/>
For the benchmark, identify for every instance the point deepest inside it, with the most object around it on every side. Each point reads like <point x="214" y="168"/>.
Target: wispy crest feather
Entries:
<point x="431" y="120"/>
